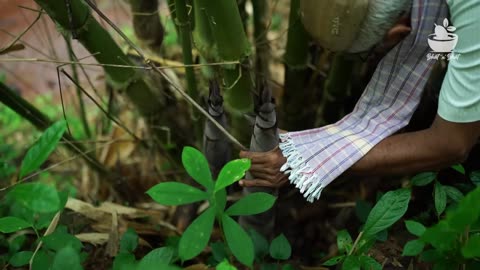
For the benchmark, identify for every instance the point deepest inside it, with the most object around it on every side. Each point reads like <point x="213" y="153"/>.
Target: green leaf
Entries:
<point x="67" y="258"/>
<point x="124" y="261"/>
<point x="15" y="244"/>
<point x="472" y="247"/>
<point x="46" y="199"/>
<point x="280" y="248"/>
<point x="423" y="179"/>
<point x="362" y="209"/>
<point x="415" y="228"/>
<point x="173" y="193"/>
<point x="21" y="258"/>
<point x="238" y="241"/>
<point x="288" y="267"/>
<point x="219" y="251"/>
<point x="220" y="201"/>
<point x="129" y="241"/>
<point x="441" y="236"/>
<point x="260" y="244"/>
<point x="440" y="198"/>
<point x="43" y="147"/>
<point x="413" y="248"/>
<point x="232" y="172"/>
<point x="431" y="255"/>
<point x="252" y="204"/>
<point x="335" y="260"/>
<point x="475" y="177"/>
<point x="158" y="256"/>
<point x="12" y="224"/>
<point x="466" y="213"/>
<point x="369" y="263"/>
<point x="197" y="167"/>
<point x="196" y="236"/>
<point x="42" y="260"/>
<point x="390" y="208"/>
<point x="344" y="241"/>
<point x="225" y="265"/>
<point x="459" y="168"/>
<point x="351" y="263"/>
<point x="453" y="193"/>
<point x="60" y="239"/>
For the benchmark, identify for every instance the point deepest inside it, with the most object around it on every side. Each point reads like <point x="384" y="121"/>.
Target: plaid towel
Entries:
<point x="316" y="157"/>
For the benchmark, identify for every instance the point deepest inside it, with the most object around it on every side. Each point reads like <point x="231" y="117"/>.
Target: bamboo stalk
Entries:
<point x="146" y="23"/>
<point x="262" y="47"/>
<point x="83" y="113"/>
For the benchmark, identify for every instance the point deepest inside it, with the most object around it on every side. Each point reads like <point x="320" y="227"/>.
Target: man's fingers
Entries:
<point x="260" y="168"/>
<point x="256" y="157"/>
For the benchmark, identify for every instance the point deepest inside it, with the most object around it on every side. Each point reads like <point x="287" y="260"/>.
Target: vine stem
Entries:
<point x="167" y="78"/>
<point x="356" y="243"/>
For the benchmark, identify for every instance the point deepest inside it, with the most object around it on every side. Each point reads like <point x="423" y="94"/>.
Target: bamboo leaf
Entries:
<point x="440" y="198"/>
<point x="423" y="179"/>
<point x="173" y="193"/>
<point x="238" y="241"/>
<point x="232" y="172"/>
<point x="280" y="248"/>
<point x="196" y="236"/>
<point x="414" y="227"/>
<point x="43" y="147"/>
<point x="390" y="208"/>
<point x="38" y="197"/>
<point x="413" y="248"/>
<point x="12" y="224"/>
<point x="252" y="204"/>
<point x="197" y="167"/>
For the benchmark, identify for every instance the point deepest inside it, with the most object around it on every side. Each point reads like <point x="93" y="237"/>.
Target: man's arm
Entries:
<point x="443" y="144"/>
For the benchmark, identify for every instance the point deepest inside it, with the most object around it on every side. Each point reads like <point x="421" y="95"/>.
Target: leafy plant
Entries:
<point x="452" y="242"/>
<point x="197" y="235"/>
<point x="388" y="210"/>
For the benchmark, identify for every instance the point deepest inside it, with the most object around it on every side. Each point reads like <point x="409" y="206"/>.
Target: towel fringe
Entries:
<point x="301" y="176"/>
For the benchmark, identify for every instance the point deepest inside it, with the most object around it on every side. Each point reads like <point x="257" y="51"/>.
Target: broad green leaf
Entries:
<point x="288" y="267"/>
<point x="12" y="224"/>
<point x="15" y="244"/>
<point x="38" y="197"/>
<point x="475" y="178"/>
<point x="67" y="258"/>
<point x="390" y="208"/>
<point x="173" y="193"/>
<point x="219" y="251"/>
<point x="465" y="214"/>
<point x="60" y="239"/>
<point x="124" y="261"/>
<point x="260" y="244"/>
<point x="441" y="236"/>
<point x="344" y="241"/>
<point x="220" y="201"/>
<point x="196" y="236"/>
<point x="280" y="248"/>
<point x="431" y="255"/>
<point x="21" y="258"/>
<point x="252" y="204"/>
<point x="472" y="248"/>
<point x="415" y="228"/>
<point x="362" y="209"/>
<point x="351" y="263"/>
<point x="453" y="193"/>
<point x="158" y="256"/>
<point x="238" y="241"/>
<point x="440" y="198"/>
<point x="423" y="179"/>
<point x="42" y="148"/>
<point x="413" y="248"/>
<point x="232" y="172"/>
<point x="129" y="241"/>
<point x="225" y="265"/>
<point x="369" y="263"/>
<point x="335" y="260"/>
<point x="459" y="168"/>
<point x="42" y="260"/>
<point x="197" y="167"/>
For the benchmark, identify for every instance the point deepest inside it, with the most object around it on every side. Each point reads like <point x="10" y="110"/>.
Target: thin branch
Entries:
<point x="17" y="38"/>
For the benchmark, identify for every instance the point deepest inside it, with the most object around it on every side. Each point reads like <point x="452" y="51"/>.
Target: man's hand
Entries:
<point x="265" y="169"/>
